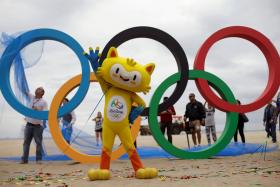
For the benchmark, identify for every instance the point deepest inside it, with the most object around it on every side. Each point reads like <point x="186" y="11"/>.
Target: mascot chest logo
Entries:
<point x="116" y="109"/>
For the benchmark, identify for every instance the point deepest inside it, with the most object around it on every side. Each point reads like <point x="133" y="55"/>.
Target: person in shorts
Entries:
<point x="98" y="127"/>
<point x="195" y="113"/>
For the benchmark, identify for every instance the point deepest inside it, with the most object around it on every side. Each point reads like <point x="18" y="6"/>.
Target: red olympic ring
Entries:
<point x="272" y="58"/>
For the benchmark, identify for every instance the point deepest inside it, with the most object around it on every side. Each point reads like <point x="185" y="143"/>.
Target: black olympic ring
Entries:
<point x="168" y="41"/>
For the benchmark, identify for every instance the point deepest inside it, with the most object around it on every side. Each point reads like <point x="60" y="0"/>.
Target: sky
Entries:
<point x="93" y="23"/>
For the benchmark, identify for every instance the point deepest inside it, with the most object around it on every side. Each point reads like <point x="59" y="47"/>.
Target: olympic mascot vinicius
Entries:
<point x="120" y="78"/>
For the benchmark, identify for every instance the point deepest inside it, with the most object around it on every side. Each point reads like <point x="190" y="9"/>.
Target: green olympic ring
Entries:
<point x="231" y="117"/>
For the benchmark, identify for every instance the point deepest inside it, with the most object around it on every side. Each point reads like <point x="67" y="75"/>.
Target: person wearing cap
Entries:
<point x="195" y="112"/>
<point x="166" y="120"/>
<point x="34" y="127"/>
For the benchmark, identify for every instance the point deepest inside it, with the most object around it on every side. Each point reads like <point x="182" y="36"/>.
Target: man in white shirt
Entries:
<point x="34" y="127"/>
<point x="210" y="123"/>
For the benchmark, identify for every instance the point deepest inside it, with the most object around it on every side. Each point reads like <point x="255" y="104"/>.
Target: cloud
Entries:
<point x="93" y="23"/>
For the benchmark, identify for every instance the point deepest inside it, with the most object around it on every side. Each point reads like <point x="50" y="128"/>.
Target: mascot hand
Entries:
<point x="135" y="112"/>
<point x="99" y="72"/>
<point x="93" y="57"/>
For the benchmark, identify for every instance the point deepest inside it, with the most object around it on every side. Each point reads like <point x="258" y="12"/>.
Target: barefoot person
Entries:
<point x="34" y="127"/>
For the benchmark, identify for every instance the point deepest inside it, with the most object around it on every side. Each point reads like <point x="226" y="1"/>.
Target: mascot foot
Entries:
<point x="146" y="173"/>
<point x="98" y="174"/>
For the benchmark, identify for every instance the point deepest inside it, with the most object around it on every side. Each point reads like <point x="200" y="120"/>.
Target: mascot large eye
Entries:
<point x="134" y="78"/>
<point x="117" y="70"/>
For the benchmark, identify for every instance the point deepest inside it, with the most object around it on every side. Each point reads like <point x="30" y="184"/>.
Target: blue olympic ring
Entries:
<point x="27" y="38"/>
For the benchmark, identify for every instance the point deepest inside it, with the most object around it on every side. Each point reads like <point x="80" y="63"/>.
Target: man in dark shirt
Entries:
<point x="269" y="120"/>
<point x="195" y="112"/>
<point x="166" y="120"/>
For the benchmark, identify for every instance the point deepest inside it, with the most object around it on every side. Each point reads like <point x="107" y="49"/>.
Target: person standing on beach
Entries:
<point x="98" y="127"/>
<point x="195" y="112"/>
<point x="278" y="109"/>
<point x="269" y="120"/>
<point x="34" y="127"/>
<point x="210" y="123"/>
<point x="68" y="120"/>
<point x="166" y="120"/>
<point x="242" y="118"/>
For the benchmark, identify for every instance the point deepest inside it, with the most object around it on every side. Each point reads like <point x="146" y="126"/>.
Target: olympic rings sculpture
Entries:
<point x="55" y="130"/>
<point x="202" y="78"/>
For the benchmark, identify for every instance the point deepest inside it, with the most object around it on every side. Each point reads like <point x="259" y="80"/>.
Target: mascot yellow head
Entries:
<point x="125" y="73"/>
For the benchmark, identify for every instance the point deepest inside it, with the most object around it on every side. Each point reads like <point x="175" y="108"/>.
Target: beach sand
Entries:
<point x="246" y="170"/>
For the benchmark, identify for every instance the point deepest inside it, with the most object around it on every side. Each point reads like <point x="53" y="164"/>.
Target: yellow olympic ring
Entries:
<point x="56" y="133"/>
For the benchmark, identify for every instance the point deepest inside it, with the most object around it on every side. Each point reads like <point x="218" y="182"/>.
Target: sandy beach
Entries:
<point x="246" y="170"/>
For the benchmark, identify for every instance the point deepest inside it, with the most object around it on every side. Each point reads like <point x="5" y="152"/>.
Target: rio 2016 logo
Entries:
<point x="203" y="79"/>
<point x="116" y="103"/>
<point x="116" y="111"/>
